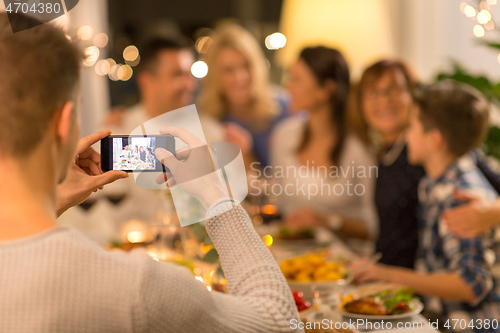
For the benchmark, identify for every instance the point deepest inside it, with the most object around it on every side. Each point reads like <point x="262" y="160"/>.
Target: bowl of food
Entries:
<point x="314" y="270"/>
<point x="303" y="238"/>
<point x="396" y="302"/>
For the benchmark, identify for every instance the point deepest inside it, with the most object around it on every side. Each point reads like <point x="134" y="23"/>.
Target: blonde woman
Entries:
<point x="236" y="91"/>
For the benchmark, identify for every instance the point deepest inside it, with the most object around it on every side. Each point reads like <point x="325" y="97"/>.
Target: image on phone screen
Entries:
<point x="134" y="153"/>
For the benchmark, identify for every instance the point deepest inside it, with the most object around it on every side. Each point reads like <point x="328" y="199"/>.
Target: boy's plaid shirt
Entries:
<point x="476" y="260"/>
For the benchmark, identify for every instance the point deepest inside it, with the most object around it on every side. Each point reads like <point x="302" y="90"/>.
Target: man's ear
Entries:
<point x="64" y="121"/>
<point x="144" y="80"/>
<point x="438" y="141"/>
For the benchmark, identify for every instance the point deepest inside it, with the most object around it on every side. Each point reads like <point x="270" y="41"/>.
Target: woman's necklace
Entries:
<point x="390" y="156"/>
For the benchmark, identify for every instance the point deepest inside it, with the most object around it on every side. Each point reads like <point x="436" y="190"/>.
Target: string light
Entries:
<point x="491" y="2"/>
<point x="135" y="62"/>
<point x="85" y="32"/>
<point x="203" y="44"/>
<point x="101" y="40"/>
<point x="102" y="67"/>
<point x="268" y="240"/>
<point x="124" y="73"/>
<point x="463" y="5"/>
<point x="478" y="31"/>
<point x="482" y="18"/>
<point x="113" y="72"/>
<point x="92" y="53"/>
<point x="130" y="53"/>
<point x="469" y="11"/>
<point x="199" y="69"/>
<point x="275" y="41"/>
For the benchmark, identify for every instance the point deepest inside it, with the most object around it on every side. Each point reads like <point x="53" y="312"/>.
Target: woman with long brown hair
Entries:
<point x="322" y="149"/>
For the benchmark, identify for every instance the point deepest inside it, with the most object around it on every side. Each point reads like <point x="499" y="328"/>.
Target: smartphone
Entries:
<point x="134" y="152"/>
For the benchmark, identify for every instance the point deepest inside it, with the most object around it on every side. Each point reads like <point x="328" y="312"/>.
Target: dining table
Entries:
<point x="328" y="240"/>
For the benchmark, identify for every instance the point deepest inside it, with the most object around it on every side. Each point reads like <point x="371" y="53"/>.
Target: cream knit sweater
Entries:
<point x="59" y="281"/>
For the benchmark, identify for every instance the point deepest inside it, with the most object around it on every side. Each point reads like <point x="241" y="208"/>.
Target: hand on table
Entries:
<point x="372" y="272"/>
<point x="471" y="219"/>
<point x="304" y="218"/>
<point x="84" y="175"/>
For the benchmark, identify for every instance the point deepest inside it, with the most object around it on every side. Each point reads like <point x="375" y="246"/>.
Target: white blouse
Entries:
<point x="346" y="189"/>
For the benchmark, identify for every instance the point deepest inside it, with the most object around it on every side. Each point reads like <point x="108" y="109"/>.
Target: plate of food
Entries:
<point x="391" y="302"/>
<point x="315" y="268"/>
<point x="306" y="238"/>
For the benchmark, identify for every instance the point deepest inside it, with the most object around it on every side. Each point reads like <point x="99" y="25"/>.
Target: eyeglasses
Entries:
<point x="390" y="92"/>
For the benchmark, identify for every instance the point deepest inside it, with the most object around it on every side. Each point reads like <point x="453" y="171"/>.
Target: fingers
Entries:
<point x="106" y="178"/>
<point x="166" y="158"/>
<point x="465" y="196"/>
<point x="91" y="154"/>
<point x="89" y="164"/>
<point x="183" y="134"/>
<point x="357" y="263"/>
<point x="89" y="140"/>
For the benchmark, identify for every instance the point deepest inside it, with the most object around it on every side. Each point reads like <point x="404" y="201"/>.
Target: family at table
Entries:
<point x="144" y="154"/>
<point x="432" y="210"/>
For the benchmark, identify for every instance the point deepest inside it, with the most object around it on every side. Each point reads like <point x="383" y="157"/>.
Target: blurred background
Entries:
<point x="432" y="36"/>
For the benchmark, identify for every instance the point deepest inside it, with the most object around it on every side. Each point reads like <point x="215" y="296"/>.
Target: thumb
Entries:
<point x="107" y="178"/>
<point x="166" y="158"/>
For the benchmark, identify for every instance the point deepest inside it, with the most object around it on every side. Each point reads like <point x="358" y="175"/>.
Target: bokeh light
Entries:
<point x="85" y="32"/>
<point x="102" y="67"/>
<point x="135" y="62"/>
<point x="199" y="69"/>
<point x="113" y="72"/>
<point x="130" y="53"/>
<point x="268" y="240"/>
<point x="469" y="11"/>
<point x="275" y="41"/>
<point x="92" y="53"/>
<point x="482" y="18"/>
<point x="124" y="73"/>
<point x="478" y="31"/>
<point x="101" y="40"/>
<point x="203" y="44"/>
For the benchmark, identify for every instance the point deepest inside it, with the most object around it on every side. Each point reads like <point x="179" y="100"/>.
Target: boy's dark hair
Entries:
<point x="151" y="49"/>
<point x="39" y="72"/>
<point x="457" y="110"/>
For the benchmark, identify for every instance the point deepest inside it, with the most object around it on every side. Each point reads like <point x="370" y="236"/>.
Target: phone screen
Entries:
<point x="134" y="153"/>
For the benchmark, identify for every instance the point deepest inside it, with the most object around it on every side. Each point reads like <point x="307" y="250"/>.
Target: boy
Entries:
<point x="456" y="275"/>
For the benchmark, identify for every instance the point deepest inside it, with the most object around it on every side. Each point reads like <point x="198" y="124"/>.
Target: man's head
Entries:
<point x="164" y="75"/>
<point x="39" y="76"/>
<point x="448" y="118"/>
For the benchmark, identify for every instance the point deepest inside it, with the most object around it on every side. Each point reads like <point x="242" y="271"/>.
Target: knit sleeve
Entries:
<point x="259" y="300"/>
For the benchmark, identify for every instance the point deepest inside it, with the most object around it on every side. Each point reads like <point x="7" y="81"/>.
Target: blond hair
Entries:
<point x="212" y="100"/>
